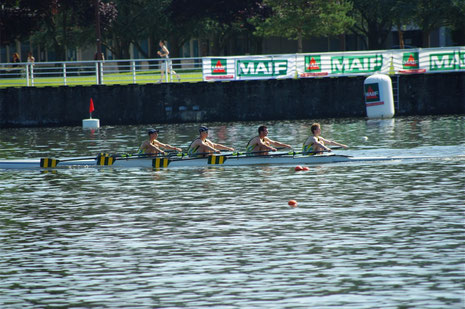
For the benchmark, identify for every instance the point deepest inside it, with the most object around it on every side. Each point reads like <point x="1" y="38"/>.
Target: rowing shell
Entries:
<point x="216" y="160"/>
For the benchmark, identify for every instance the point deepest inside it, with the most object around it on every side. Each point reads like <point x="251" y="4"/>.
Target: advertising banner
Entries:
<point x="218" y="69"/>
<point x="265" y="67"/>
<point x="341" y="64"/>
<point x="405" y="61"/>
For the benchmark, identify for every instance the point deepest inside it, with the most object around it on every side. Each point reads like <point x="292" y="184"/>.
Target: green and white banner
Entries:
<point x="411" y="61"/>
<point x="341" y="64"/>
<point x="265" y="67"/>
<point x="246" y="68"/>
<point x="407" y="61"/>
<point x="218" y="69"/>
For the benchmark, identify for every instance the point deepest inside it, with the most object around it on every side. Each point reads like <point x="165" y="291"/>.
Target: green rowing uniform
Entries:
<point x="191" y="151"/>
<point x="309" y="149"/>
<point x="250" y="148"/>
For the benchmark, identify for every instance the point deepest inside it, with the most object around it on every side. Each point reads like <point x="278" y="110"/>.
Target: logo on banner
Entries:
<point x="312" y="63"/>
<point x="447" y="61"/>
<point x="219" y="66"/>
<point x="372" y="97"/>
<point x="411" y="63"/>
<point x="356" y="64"/>
<point x="218" y="70"/>
<point x="261" y="68"/>
<point x="312" y="67"/>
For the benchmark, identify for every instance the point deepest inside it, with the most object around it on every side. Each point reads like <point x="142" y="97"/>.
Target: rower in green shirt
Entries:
<point x="261" y="144"/>
<point x="316" y="144"/>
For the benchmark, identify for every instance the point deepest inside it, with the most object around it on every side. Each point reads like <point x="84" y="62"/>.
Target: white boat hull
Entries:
<point x="197" y="162"/>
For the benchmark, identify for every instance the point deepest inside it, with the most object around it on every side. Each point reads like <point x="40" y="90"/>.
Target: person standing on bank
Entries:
<point x="15" y="59"/>
<point x="153" y="146"/>
<point x="164" y="53"/>
<point x="202" y="146"/>
<point x="261" y="144"/>
<point x="315" y="143"/>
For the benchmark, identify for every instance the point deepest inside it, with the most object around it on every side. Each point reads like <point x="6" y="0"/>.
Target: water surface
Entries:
<point x="364" y="235"/>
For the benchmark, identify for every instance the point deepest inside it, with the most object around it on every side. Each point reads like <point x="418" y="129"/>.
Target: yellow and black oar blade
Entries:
<point x="47" y="162"/>
<point x="160" y="162"/>
<point x="105" y="159"/>
<point x="214" y="160"/>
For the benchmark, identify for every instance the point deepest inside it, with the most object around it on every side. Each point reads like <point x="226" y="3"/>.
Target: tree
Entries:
<point x="299" y="19"/>
<point x="374" y="21"/>
<point x="456" y="20"/>
<point x="18" y="19"/>
<point x="215" y="21"/>
<point x="67" y="24"/>
<point x="431" y="15"/>
<point x="402" y="16"/>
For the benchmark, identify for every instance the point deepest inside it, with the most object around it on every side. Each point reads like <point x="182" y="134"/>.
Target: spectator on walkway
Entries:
<point x="15" y="59"/>
<point x="164" y="53"/>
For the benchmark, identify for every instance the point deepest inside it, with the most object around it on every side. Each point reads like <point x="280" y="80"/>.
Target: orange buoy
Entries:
<point x="305" y="168"/>
<point x="298" y="168"/>
<point x="292" y="203"/>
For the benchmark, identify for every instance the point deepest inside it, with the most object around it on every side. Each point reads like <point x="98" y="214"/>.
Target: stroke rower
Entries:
<point x="316" y="144"/>
<point x="202" y="146"/>
<point x="262" y="144"/>
<point x="153" y="146"/>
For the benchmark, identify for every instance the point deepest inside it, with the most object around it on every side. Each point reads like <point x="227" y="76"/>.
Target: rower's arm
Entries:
<point x="153" y="147"/>
<point x="223" y="147"/>
<point x="335" y="143"/>
<point x="166" y="146"/>
<point x="210" y="146"/>
<point x="278" y="144"/>
<point x="316" y="142"/>
<point x="266" y="146"/>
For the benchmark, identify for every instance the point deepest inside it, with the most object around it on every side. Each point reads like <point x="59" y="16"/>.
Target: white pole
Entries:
<point x="133" y="67"/>
<point x="64" y="73"/>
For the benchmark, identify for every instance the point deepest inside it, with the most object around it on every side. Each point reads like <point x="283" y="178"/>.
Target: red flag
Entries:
<point x="91" y="106"/>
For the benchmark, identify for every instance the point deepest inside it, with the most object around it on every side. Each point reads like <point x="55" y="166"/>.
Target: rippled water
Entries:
<point x="364" y="235"/>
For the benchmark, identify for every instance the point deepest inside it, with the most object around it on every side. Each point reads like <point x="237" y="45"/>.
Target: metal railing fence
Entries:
<point x="107" y="72"/>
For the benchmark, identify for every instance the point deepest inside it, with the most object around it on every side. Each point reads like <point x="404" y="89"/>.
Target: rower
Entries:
<point x="153" y="146"/>
<point x="316" y="144"/>
<point x="261" y="144"/>
<point x="202" y="146"/>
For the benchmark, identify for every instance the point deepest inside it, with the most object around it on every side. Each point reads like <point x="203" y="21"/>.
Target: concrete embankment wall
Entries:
<point x="422" y="94"/>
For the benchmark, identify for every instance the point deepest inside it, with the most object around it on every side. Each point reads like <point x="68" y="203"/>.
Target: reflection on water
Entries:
<point x="365" y="235"/>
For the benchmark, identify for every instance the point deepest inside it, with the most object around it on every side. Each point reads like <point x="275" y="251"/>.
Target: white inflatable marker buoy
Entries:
<point x="91" y="123"/>
<point x="379" y="98"/>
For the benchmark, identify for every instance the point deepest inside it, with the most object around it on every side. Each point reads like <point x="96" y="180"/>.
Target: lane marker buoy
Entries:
<point x="292" y="203"/>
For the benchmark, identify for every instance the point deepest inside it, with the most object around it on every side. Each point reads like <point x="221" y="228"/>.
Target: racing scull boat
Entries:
<point x="105" y="160"/>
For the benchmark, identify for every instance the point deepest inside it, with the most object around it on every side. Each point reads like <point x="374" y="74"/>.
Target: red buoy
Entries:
<point x="292" y="203"/>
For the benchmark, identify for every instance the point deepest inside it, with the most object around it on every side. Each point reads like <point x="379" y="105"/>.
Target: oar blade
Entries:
<point x="216" y="160"/>
<point x="105" y="159"/>
<point x="160" y="162"/>
<point x="48" y="162"/>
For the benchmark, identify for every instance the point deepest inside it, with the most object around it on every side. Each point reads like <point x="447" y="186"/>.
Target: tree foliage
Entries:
<point x="215" y="21"/>
<point x="456" y="20"/>
<point x="61" y="25"/>
<point x="299" y="19"/>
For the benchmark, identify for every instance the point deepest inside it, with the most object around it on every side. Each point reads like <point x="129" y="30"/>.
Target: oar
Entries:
<point x="50" y="162"/>
<point x="102" y="159"/>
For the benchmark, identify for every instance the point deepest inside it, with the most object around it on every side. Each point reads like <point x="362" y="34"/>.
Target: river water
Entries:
<point x="384" y="234"/>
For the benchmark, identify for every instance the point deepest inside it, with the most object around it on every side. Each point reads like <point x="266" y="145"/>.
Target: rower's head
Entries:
<point x="315" y="128"/>
<point x="153" y="132"/>
<point x="262" y="130"/>
<point x="203" y="130"/>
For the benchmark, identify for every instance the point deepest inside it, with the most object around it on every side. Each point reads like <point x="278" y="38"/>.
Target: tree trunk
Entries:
<point x="400" y="35"/>
<point x="426" y="39"/>
<point x="299" y="43"/>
